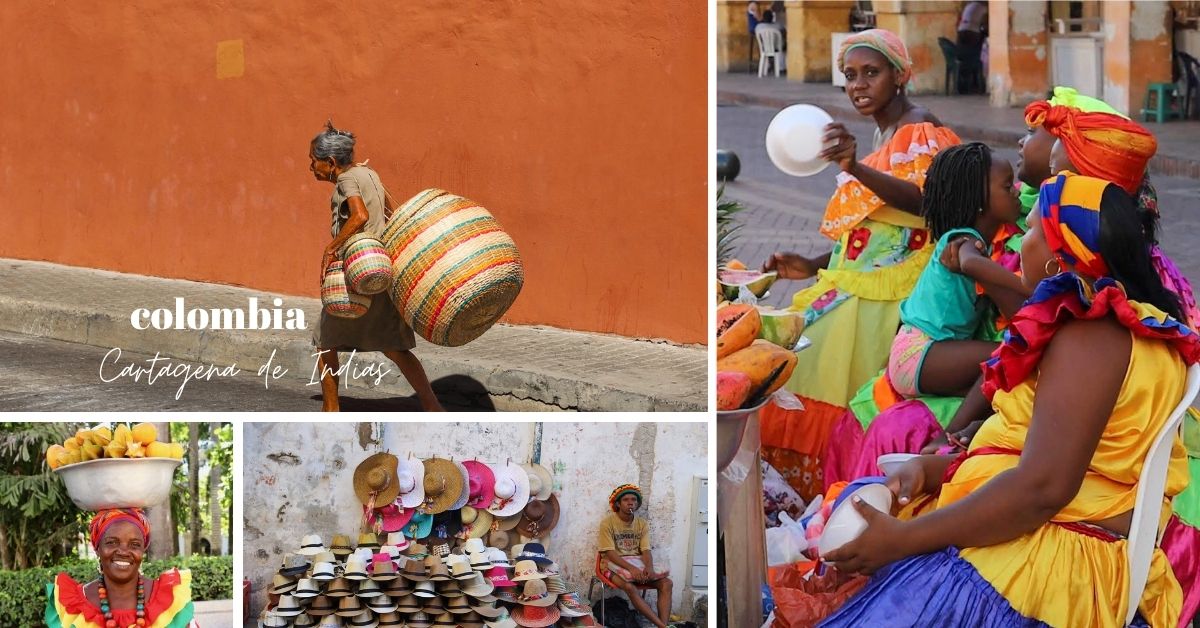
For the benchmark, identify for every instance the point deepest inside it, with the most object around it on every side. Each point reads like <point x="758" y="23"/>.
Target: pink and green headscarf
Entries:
<point x="884" y="42"/>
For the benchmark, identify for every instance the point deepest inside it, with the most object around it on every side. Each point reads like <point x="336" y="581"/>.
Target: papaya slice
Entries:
<point x="768" y="366"/>
<point x="737" y="326"/>
<point x="733" y="389"/>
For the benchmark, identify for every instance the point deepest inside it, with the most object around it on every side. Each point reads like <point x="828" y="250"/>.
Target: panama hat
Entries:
<point x="397" y="540"/>
<point x="377" y="475"/>
<point x="288" y="606"/>
<point x="438" y="572"/>
<point x="477" y="586"/>
<point x="321" y="606"/>
<point x="794" y="141"/>
<point x="340" y="587"/>
<point x="294" y="565"/>
<point x="487" y="609"/>
<point x="540" y="482"/>
<point x="507" y="594"/>
<point x="445" y="620"/>
<point x="534" y="593"/>
<point x="466" y="485"/>
<point x="340" y="545"/>
<point x="534" y="552"/>
<point x="511" y="490"/>
<point x="503" y="620"/>
<point x="555" y="584"/>
<point x="281" y="584"/>
<point x="324" y="572"/>
<point x="570" y="605"/>
<point x="460" y="567"/>
<point x="381" y="604"/>
<point x="448" y="589"/>
<point x="396" y="588"/>
<point x="425" y="589"/>
<point x="515" y="550"/>
<point x="306" y="588"/>
<point x="271" y="619"/>
<point x="480" y="561"/>
<point x="408" y="604"/>
<point x="356" y="568"/>
<point x="324" y="557"/>
<point x="527" y="570"/>
<point x="368" y="589"/>
<point x="391" y="517"/>
<point x="420" y="619"/>
<point x="419" y="526"/>
<point x="477" y="522"/>
<point x="311" y="545"/>
<point x="498" y="540"/>
<point x="433" y="606"/>
<point x="497" y="557"/>
<point x="470" y="620"/>
<point x="349" y="606"/>
<point x="388" y="620"/>
<point x="304" y="620"/>
<point x="330" y="621"/>
<point x="532" y="616"/>
<point x="382" y="567"/>
<point x="367" y="541"/>
<point x="458" y="606"/>
<point x="539" y="518"/>
<point x="365" y="619"/>
<point x="415" y="571"/>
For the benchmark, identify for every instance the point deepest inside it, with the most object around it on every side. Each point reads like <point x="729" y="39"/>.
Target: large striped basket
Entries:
<point x="338" y="299"/>
<point x="456" y="271"/>
<point x="368" y="265"/>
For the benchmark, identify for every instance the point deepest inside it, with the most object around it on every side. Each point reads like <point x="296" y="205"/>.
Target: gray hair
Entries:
<point x="334" y="143"/>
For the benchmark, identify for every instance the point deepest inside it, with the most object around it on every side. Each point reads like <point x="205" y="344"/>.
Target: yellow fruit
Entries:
<point x="91" y="451"/>
<point x="114" y="450"/>
<point x="734" y="264"/>
<point x="158" y="450"/>
<point x="122" y="434"/>
<point x="101" y="436"/>
<point x="177" y="451"/>
<point x="135" y="450"/>
<point x="71" y="444"/>
<point x="144" y="433"/>
<point x="71" y="457"/>
<point x="82" y="435"/>
<point x="52" y="455"/>
<point x="62" y="458"/>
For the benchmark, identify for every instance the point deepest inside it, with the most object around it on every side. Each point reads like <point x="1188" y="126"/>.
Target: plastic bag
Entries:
<point x="803" y="597"/>
<point x="745" y="296"/>
<point x="786" y="543"/>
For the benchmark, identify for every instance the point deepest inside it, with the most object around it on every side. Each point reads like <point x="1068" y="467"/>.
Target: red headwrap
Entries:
<point x="105" y="518"/>
<point x="1100" y="145"/>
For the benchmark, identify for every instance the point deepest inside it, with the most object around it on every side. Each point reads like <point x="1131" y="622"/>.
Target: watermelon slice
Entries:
<point x="781" y="327"/>
<point x="756" y="282"/>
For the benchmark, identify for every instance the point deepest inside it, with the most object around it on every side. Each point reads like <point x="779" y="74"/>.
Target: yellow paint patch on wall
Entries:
<point x="231" y="59"/>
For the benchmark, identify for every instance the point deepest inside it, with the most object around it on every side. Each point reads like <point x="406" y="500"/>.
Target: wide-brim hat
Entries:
<point x="288" y="606"/>
<point x="481" y="484"/>
<point x="539" y="518"/>
<point x="526" y="570"/>
<point x="419" y="526"/>
<point x="498" y="576"/>
<point x="499" y="539"/>
<point x="281" y="584"/>
<point x="476" y="521"/>
<point x="392" y="517"/>
<point x="531" y="616"/>
<point x="321" y="606"/>
<point x="377" y="474"/>
<point x="503" y="620"/>
<point x="466" y="493"/>
<point x="534" y="593"/>
<point x="411" y="478"/>
<point x="541" y="484"/>
<point x="381" y="604"/>
<point x="311" y="545"/>
<point x="340" y="587"/>
<point x="365" y="619"/>
<point x="340" y="546"/>
<point x="570" y="605"/>
<point x="443" y="485"/>
<point x="511" y="490"/>
<point x="795" y="140"/>
<point x="387" y="620"/>
<point x="510" y="522"/>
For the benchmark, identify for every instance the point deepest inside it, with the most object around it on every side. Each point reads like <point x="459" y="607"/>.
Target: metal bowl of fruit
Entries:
<point x="119" y="482"/>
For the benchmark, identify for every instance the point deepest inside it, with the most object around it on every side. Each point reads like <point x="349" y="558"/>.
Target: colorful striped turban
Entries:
<point x="105" y="518"/>
<point x="1102" y="145"/>
<point x="625" y="489"/>
<point x="1070" y="206"/>
<point x="884" y="42"/>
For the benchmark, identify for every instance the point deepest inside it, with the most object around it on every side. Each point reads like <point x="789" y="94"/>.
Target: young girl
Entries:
<point x="968" y="197"/>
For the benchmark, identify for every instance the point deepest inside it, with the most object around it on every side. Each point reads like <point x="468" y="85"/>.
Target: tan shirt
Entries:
<point x="358" y="181"/>
<point x="628" y="539"/>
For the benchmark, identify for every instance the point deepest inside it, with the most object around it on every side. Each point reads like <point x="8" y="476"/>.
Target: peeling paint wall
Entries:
<point x="1018" y="58"/>
<point x="809" y="28"/>
<point x="733" y="35"/>
<point x="298" y="480"/>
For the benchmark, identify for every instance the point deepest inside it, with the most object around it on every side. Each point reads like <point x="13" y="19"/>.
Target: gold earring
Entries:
<point x="1047" y="267"/>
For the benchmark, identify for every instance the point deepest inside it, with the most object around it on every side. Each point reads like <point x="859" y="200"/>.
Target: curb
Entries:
<point x="1167" y="165"/>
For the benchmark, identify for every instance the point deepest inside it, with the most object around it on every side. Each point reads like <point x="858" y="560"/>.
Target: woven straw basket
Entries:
<point x="368" y="265"/>
<point x="337" y="298"/>
<point x="456" y="271"/>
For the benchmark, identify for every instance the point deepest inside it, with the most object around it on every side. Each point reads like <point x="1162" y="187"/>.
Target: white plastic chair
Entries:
<point x="770" y="44"/>
<point x="1143" y="532"/>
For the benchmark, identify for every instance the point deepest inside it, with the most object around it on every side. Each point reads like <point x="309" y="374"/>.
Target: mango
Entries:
<point x="52" y="456"/>
<point x="732" y="389"/>
<point x="737" y="326"/>
<point x="158" y="450"/>
<point x="768" y="366"/>
<point x="144" y="433"/>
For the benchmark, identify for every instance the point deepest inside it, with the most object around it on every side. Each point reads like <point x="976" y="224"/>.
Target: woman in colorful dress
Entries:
<point x="120" y="597"/>
<point x="881" y="247"/>
<point x="1027" y="528"/>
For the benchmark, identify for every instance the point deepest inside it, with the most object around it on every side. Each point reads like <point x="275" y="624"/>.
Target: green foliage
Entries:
<point x="727" y="227"/>
<point x="38" y="522"/>
<point x="23" y="593"/>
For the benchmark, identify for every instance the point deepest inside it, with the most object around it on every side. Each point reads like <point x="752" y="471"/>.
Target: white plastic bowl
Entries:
<point x="845" y="524"/>
<point x="119" y="482"/>
<point x="794" y="140"/>
<point x="889" y="463"/>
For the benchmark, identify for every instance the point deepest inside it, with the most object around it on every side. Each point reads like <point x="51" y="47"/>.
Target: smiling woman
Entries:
<point x="120" y="597"/>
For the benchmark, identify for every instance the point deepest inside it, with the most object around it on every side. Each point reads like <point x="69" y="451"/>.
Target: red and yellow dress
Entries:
<point x="169" y="605"/>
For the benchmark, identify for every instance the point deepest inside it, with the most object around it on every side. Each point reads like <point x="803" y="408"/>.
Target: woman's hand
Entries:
<point x="327" y="258"/>
<point x="939" y="441"/>
<point x="791" y="266"/>
<point x="957" y="250"/>
<point x="880" y="544"/>
<point x="908" y="482"/>
<point x="845" y="153"/>
<point x="962" y="438"/>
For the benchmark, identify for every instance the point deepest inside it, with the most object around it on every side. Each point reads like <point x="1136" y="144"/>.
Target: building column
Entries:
<point x="919" y="24"/>
<point x="1017" y="40"/>
<point x="1137" y="34"/>
<point x="733" y="35"/>
<point x="809" y="47"/>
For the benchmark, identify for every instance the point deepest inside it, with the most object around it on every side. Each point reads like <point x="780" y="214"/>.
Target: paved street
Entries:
<point x="783" y="212"/>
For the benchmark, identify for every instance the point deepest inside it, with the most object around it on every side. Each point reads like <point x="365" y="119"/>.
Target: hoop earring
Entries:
<point x="1056" y="264"/>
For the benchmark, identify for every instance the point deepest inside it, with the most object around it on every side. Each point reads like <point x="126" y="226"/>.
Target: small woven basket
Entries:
<point x="338" y="299"/>
<point x="368" y="265"/>
<point x="456" y="272"/>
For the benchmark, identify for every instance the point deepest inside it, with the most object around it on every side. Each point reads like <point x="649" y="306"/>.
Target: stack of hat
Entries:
<point x="435" y="568"/>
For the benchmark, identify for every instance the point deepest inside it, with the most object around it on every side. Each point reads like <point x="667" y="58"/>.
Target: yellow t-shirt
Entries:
<point x="628" y="539"/>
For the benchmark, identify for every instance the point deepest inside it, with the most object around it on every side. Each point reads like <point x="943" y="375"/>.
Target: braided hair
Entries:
<point x="956" y="188"/>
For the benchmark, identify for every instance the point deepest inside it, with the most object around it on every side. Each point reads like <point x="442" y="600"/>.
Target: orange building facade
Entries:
<point x="170" y="139"/>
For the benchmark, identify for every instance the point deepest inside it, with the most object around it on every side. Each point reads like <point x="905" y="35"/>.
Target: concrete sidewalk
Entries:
<point x="522" y="367"/>
<point x="972" y="117"/>
<point x="214" y="613"/>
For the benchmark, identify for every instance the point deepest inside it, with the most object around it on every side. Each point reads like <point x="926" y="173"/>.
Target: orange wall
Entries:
<point x="580" y="125"/>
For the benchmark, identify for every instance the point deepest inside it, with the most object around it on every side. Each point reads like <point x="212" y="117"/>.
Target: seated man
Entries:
<point x="625" y="545"/>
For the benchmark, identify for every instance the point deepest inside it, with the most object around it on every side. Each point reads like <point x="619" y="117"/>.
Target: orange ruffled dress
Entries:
<point x="852" y="312"/>
<point x="169" y="605"/>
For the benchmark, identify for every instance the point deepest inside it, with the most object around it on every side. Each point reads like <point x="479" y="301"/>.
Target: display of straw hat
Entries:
<point x="377" y="475"/>
<point x="419" y="526"/>
<point x="499" y="539"/>
<point x="340" y="546"/>
<point x="448" y="589"/>
<point x="555" y="584"/>
<point x="510" y="522"/>
<point x="507" y="594"/>
<point x="408" y="604"/>
<point x="481" y="484"/>
<point x="397" y="540"/>
<point x="541" y="484"/>
<point x="306" y="588"/>
<point x="438" y="572"/>
<point x="458" y="606"/>
<point x="445" y="620"/>
<point x="294" y="565"/>
<point x="330" y="621"/>
<point x="349" y="606"/>
<point x="324" y="557"/>
<point x="466" y="483"/>
<point x="570" y="605"/>
<point x="488" y="609"/>
<point x="470" y="620"/>
<point x="321" y="606"/>
<point x="534" y="593"/>
<point x="304" y="620"/>
<point x="381" y="604"/>
<point x="497" y="557"/>
<point x="476" y="522"/>
<point x="340" y="587"/>
<point x="511" y="490"/>
<point x="415" y="571"/>
<point x="411" y="478"/>
<point x="281" y="584"/>
<point x="390" y="620"/>
<point x="526" y="570"/>
<point x="269" y="619"/>
<point x="503" y="620"/>
<point x="323" y="572"/>
<point x="365" y="619"/>
<point x="356" y="568"/>
<point x="396" y="588"/>
<point x="443" y="485"/>
<point x="420" y="619"/>
<point x="288" y="606"/>
<point x="368" y="589"/>
<point x="535" y="552"/>
<point x="367" y="541"/>
<point x="311" y="545"/>
<point x="498" y="576"/>
<point x="382" y="567"/>
<point x="477" y="586"/>
<point x="531" y="616"/>
<point x="433" y="606"/>
<point x="539" y="518"/>
<point x="392" y="517"/>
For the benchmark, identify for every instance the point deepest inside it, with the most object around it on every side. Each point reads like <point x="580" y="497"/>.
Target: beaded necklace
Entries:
<point x="109" y="622"/>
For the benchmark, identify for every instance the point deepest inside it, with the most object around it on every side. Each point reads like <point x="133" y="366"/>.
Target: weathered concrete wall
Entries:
<point x="1136" y="35"/>
<point x="170" y="138"/>
<point x="810" y="25"/>
<point x="1018" y="52"/>
<point x="298" y="479"/>
<point x="919" y="24"/>
<point x="733" y="35"/>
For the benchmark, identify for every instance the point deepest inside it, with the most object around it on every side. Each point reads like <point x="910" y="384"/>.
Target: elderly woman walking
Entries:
<point x="358" y="204"/>
<point x="120" y="597"/>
